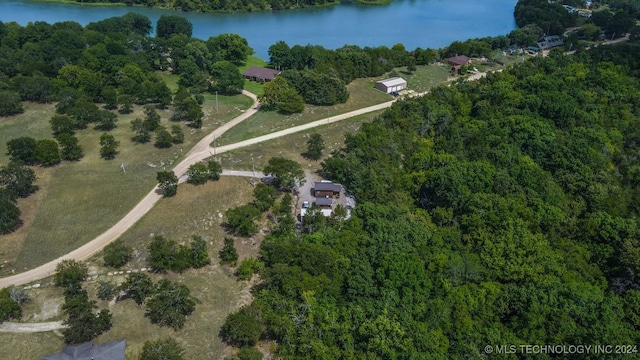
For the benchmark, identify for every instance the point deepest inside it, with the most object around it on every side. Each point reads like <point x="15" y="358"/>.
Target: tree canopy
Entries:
<point x="502" y="210"/>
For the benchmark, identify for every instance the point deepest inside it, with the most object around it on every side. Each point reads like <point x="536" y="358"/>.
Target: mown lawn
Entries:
<point x="362" y="94"/>
<point x="425" y="77"/>
<point x="293" y="146"/>
<point x="77" y="201"/>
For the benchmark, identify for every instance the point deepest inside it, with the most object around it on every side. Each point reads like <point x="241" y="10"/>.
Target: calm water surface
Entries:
<point x="415" y="23"/>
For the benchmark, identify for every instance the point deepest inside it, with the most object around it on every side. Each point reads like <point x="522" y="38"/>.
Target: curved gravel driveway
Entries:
<point x="199" y="152"/>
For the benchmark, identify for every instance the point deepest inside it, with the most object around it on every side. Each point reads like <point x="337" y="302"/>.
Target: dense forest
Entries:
<point x="229" y="5"/>
<point x="501" y="211"/>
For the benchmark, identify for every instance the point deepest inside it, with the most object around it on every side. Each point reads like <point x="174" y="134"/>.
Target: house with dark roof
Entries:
<point x="256" y="73"/>
<point x="459" y="60"/>
<point x="326" y="189"/>
<point x="548" y="42"/>
<point x="88" y="351"/>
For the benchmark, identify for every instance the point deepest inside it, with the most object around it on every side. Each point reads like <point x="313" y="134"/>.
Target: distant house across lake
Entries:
<point x="256" y="73"/>
<point x="390" y="85"/>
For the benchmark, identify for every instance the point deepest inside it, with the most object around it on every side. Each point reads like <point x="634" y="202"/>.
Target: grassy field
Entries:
<point x="79" y="200"/>
<point x="425" y="77"/>
<point x="292" y="146"/>
<point x="195" y="210"/>
<point x="362" y="94"/>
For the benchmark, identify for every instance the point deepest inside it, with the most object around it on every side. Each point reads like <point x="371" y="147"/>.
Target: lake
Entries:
<point x="415" y="23"/>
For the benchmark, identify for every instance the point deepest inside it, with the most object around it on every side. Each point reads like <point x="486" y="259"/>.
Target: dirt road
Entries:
<point x="89" y="249"/>
<point x="13" y="327"/>
<point x="199" y="152"/>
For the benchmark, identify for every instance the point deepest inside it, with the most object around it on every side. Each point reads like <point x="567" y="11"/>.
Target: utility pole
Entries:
<point x="216" y="101"/>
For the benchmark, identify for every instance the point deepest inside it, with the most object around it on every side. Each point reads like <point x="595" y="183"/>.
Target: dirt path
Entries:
<point x="89" y="249"/>
<point x="30" y="327"/>
<point x="199" y="152"/>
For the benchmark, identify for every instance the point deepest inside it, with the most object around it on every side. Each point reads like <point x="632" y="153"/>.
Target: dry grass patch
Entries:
<point x="195" y="210"/>
<point x="78" y="201"/>
<point x="29" y="346"/>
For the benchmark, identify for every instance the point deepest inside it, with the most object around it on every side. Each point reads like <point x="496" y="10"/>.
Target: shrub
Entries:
<point x="117" y="254"/>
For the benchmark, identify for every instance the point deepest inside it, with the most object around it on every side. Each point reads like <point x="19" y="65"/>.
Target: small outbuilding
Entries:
<point x="323" y="189"/>
<point x="256" y="73"/>
<point x="394" y="84"/>
<point x="88" y="351"/>
<point x="324" y="202"/>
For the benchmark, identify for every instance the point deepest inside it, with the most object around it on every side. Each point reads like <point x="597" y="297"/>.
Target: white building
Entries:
<point x="390" y="85"/>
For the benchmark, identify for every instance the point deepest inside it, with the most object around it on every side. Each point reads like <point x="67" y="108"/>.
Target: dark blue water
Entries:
<point x="415" y="23"/>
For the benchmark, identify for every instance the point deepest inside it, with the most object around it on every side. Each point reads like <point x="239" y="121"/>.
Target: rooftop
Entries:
<point x="459" y="60"/>
<point x="88" y="351"/>
<point x="321" y="201"/>
<point x="394" y="81"/>
<point x="261" y="73"/>
<point x="326" y="186"/>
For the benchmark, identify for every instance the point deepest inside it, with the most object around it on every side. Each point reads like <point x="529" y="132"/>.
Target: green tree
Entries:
<point x="9" y="216"/>
<point x="279" y="95"/>
<point x="151" y="118"/>
<point x="117" y="254"/>
<point x="108" y="146"/>
<point x="83" y="324"/>
<point x="241" y="220"/>
<point x="248" y="267"/>
<point x="110" y="97"/>
<point x="188" y="109"/>
<point x="169" y="25"/>
<point x="242" y="328"/>
<point x="265" y="196"/>
<point x="48" y="152"/>
<point x="199" y="255"/>
<point x="287" y="173"/>
<point x="215" y="169"/>
<point x="177" y="134"/>
<point x="226" y="78"/>
<point x="315" y="146"/>
<point x="62" y="124"/>
<point x="70" y="274"/>
<point x="228" y="253"/>
<point x="23" y="149"/>
<point x="142" y="134"/>
<point x="162" y="253"/>
<point x="18" y="180"/>
<point x="164" y="139"/>
<point x="230" y="47"/>
<point x="10" y="103"/>
<point x="170" y="304"/>
<point x="70" y="147"/>
<point x="137" y="286"/>
<point x="198" y="173"/>
<point x="9" y="307"/>
<point x="126" y="103"/>
<point x="168" y="183"/>
<point x="162" y="349"/>
<point x="106" y="120"/>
